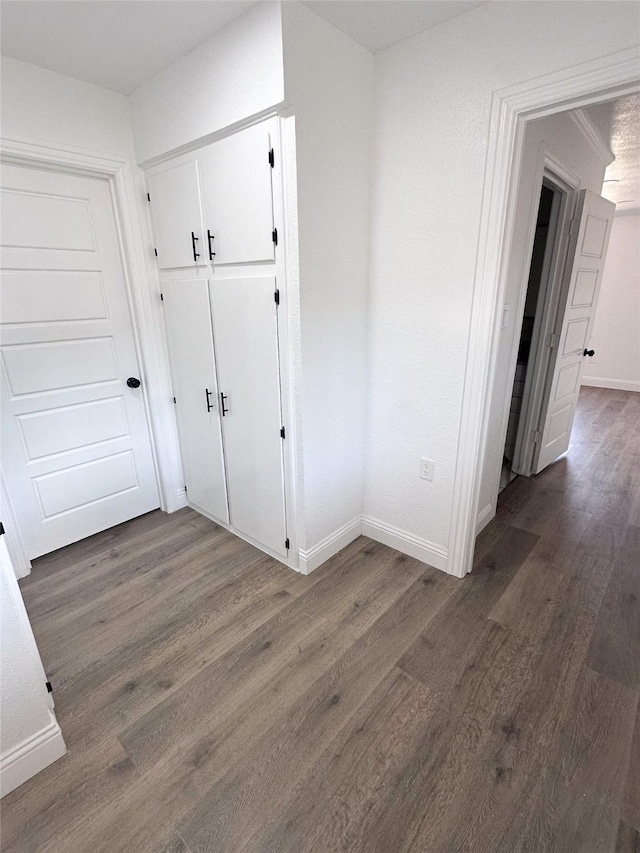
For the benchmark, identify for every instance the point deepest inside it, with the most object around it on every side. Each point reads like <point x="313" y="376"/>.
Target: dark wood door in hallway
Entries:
<point x="212" y="700"/>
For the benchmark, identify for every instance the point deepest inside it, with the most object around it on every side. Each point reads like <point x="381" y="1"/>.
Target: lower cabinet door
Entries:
<point x="188" y="324"/>
<point x="245" y="326"/>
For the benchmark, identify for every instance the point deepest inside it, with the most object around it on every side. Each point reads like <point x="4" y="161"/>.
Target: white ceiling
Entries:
<point x="378" y="24"/>
<point x="622" y="178"/>
<point x="119" y="44"/>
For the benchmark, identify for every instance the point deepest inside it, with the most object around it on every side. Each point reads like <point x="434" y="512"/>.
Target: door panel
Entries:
<point x="76" y="449"/>
<point x="176" y="215"/>
<point x="188" y="323"/>
<point x="586" y="257"/>
<point x="246" y="339"/>
<point x="237" y="198"/>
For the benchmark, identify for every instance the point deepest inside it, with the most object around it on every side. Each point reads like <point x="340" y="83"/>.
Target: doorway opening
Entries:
<point x="516" y="458"/>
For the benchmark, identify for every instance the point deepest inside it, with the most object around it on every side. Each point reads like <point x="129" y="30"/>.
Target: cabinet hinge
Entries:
<point x="286" y="544"/>
<point x="162" y="297"/>
<point x="49" y="687"/>
<point x="155" y="251"/>
<point x="274" y="236"/>
<point x="185" y="488"/>
<point x="174" y="399"/>
<point x="148" y="197"/>
<point x="282" y="433"/>
<point x="276" y="297"/>
<point x="272" y="159"/>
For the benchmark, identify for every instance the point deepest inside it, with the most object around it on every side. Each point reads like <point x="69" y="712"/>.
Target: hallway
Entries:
<point x="213" y="700"/>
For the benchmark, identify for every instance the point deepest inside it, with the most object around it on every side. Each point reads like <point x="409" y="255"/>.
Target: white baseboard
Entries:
<point x="329" y="546"/>
<point x="31" y="756"/>
<point x="407" y="543"/>
<point x="484" y="517"/>
<point x="180" y="500"/>
<point x="614" y="384"/>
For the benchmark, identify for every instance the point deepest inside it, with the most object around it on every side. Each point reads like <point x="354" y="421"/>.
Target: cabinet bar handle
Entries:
<point x="223" y="409"/>
<point x="208" y="397"/>
<point x="210" y="237"/>
<point x="194" y="240"/>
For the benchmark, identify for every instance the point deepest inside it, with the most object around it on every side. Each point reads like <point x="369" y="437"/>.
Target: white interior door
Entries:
<point x="237" y="198"/>
<point x="177" y="217"/>
<point x="188" y="323"/>
<point x="76" y="450"/>
<point x="586" y="258"/>
<point x="245" y="330"/>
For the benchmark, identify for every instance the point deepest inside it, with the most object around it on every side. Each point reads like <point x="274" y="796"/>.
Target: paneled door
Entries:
<point x="245" y="328"/>
<point x="76" y="451"/>
<point x="188" y="323"/>
<point x="586" y="257"/>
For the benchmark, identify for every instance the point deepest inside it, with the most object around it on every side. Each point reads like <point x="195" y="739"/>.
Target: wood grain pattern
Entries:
<point x="213" y="700"/>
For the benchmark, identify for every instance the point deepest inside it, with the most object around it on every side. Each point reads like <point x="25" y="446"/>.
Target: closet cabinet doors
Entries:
<point x="237" y="198"/>
<point x="188" y="324"/>
<point x="177" y="217"/>
<point x="245" y="329"/>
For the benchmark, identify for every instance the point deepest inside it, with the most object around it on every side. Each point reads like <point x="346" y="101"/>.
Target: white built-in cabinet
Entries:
<point x="216" y="241"/>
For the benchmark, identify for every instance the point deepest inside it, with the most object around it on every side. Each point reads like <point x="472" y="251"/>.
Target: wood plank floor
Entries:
<point x="212" y="700"/>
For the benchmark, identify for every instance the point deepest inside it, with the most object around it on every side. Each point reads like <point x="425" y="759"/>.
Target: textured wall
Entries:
<point x="236" y="73"/>
<point x="433" y="101"/>
<point x="329" y="89"/>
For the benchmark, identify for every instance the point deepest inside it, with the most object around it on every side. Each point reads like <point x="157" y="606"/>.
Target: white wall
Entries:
<point x="329" y="91"/>
<point x="30" y="738"/>
<point x="616" y="330"/>
<point x="236" y="73"/>
<point x="560" y="136"/>
<point x="40" y="105"/>
<point x="433" y="102"/>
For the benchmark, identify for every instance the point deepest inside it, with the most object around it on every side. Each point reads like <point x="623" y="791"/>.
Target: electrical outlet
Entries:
<point x="426" y="469"/>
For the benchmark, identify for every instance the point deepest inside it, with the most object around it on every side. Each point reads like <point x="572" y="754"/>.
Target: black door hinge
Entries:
<point x="286" y="544"/>
<point x="272" y="159"/>
<point x="49" y="687"/>
<point x="1" y="529"/>
<point x="276" y="297"/>
<point x="162" y="297"/>
<point x="185" y="488"/>
<point x="282" y="433"/>
<point x="155" y="252"/>
<point x="274" y="236"/>
<point x="148" y="197"/>
<point x="174" y="399"/>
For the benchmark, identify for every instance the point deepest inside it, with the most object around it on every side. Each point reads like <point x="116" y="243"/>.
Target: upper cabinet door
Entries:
<point x="237" y="198"/>
<point x="177" y="217"/>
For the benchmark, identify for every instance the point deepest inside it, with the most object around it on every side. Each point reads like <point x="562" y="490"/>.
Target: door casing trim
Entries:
<point x="611" y="76"/>
<point x="139" y="276"/>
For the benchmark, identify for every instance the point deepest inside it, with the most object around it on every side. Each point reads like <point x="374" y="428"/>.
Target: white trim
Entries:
<point x="593" y="136"/>
<point x="31" y="756"/>
<point x="329" y="546"/>
<point x="407" y="543"/>
<point x="13" y="537"/>
<point x="140" y="274"/>
<point x="615" y="384"/>
<point x="485" y="516"/>
<point x="592" y="82"/>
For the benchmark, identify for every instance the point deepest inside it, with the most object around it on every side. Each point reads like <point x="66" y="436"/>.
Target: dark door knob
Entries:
<point x="589" y="352"/>
<point x="132" y="382"/>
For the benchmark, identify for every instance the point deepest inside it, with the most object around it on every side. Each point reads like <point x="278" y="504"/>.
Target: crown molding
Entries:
<point x="593" y="136"/>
